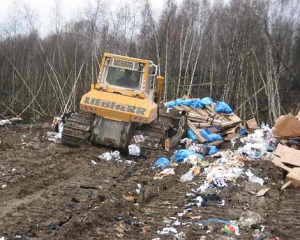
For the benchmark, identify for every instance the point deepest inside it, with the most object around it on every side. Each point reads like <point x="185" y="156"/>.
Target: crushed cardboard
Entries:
<point x="287" y="126"/>
<point x="225" y="124"/>
<point x="291" y="156"/>
<point x="251" y="125"/>
<point x="288" y="155"/>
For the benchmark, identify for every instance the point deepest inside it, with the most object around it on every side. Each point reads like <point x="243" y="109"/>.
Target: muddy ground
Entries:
<point x="54" y="192"/>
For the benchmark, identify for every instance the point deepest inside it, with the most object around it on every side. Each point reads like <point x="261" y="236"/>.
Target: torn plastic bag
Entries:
<point x="196" y="103"/>
<point x="253" y="178"/>
<point x="170" y="104"/>
<point x="184" y="153"/>
<point x="162" y="163"/>
<point x="210" y="137"/>
<point x="243" y="131"/>
<point x="178" y="101"/>
<point x="187" y="176"/>
<point x="222" y="107"/>
<point x="207" y="101"/>
<point x="212" y="150"/>
<point x="191" y="135"/>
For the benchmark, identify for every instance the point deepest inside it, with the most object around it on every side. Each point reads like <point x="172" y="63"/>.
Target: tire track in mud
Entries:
<point x="28" y="200"/>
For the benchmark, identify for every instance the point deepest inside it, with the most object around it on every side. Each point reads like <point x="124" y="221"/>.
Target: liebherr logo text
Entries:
<point x="114" y="105"/>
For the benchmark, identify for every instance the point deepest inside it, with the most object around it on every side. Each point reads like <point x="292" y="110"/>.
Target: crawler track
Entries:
<point x="77" y="129"/>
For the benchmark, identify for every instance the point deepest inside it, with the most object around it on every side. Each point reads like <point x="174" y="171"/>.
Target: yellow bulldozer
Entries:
<point x="124" y="103"/>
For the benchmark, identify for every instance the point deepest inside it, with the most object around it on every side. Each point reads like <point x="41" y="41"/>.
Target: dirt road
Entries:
<point x="51" y="191"/>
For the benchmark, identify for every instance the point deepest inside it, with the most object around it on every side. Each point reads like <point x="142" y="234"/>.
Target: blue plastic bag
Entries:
<point x="184" y="153"/>
<point x="207" y="101"/>
<point x="210" y="137"/>
<point x="170" y="104"/>
<point x="178" y="101"/>
<point x="222" y="107"/>
<point x="212" y="150"/>
<point x="243" y="131"/>
<point x="196" y="103"/>
<point x="216" y="220"/>
<point x="191" y="135"/>
<point x="187" y="102"/>
<point x="162" y="163"/>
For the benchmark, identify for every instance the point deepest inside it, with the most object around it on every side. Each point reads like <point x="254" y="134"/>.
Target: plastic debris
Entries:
<point x="3" y="186"/>
<point x="188" y="176"/>
<point x="212" y="150"/>
<point x="56" y="136"/>
<point x="134" y="150"/>
<point x="184" y="153"/>
<point x="191" y="135"/>
<point x="2" y="238"/>
<point x="228" y="229"/>
<point x="249" y="218"/>
<point x="216" y="220"/>
<point x="222" y="107"/>
<point x="167" y="230"/>
<point x="180" y="236"/>
<point x="93" y="162"/>
<point x="207" y="101"/>
<point x="5" y="122"/>
<point x="108" y="156"/>
<point x="162" y="163"/>
<point x="210" y="137"/>
<point x="139" y="187"/>
<point x="139" y="138"/>
<point x="164" y="173"/>
<point x="197" y="104"/>
<point x="254" y="179"/>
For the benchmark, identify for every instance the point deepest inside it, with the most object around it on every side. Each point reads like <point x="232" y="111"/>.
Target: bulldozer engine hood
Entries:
<point x="119" y="107"/>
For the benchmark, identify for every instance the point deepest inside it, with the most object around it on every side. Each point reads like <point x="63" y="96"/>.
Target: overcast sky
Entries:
<point x="69" y="9"/>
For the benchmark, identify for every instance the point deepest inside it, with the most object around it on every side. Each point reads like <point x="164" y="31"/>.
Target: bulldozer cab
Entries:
<point x="127" y="76"/>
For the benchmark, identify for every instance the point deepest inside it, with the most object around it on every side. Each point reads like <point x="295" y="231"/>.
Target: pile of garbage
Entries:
<point x="4" y="122"/>
<point x="286" y="133"/>
<point x="220" y="168"/>
<point x="208" y="122"/>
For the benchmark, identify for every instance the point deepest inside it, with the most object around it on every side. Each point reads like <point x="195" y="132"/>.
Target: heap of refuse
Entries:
<point x="286" y="133"/>
<point x="208" y="122"/>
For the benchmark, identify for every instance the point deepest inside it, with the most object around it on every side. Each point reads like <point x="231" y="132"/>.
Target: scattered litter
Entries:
<point x="162" y="163"/>
<point x="5" y="122"/>
<point x="3" y="186"/>
<point x="108" y="156"/>
<point x="93" y="162"/>
<point x="139" y="138"/>
<point x="56" y="136"/>
<point x="249" y="218"/>
<point x="189" y="176"/>
<point x="254" y="179"/>
<point x="164" y="173"/>
<point x="184" y="153"/>
<point x="262" y="192"/>
<point x="134" y="150"/>
<point x="287" y="126"/>
<point x="216" y="220"/>
<point x="129" y="198"/>
<point x="2" y="238"/>
<point x="167" y="230"/>
<point x="222" y="107"/>
<point x="210" y="137"/>
<point x="138" y="190"/>
<point x="180" y="236"/>
<point x="228" y="229"/>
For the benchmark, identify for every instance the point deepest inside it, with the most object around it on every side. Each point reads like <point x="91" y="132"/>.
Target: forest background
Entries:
<point x="245" y="52"/>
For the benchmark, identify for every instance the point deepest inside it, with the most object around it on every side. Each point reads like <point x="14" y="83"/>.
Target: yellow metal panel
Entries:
<point x="118" y="107"/>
